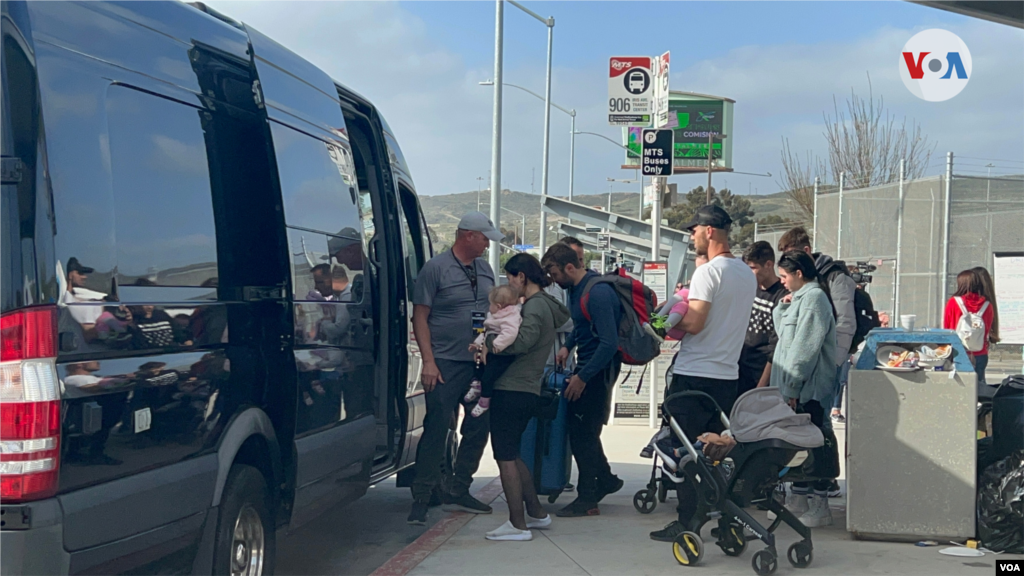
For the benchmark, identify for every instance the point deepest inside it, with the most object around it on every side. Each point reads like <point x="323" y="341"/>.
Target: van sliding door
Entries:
<point x="332" y="291"/>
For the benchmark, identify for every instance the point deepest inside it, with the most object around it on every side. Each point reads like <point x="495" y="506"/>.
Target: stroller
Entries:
<point x="759" y="462"/>
<point x="646" y="499"/>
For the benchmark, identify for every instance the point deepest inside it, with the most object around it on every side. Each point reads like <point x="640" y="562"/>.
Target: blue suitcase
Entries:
<point x="545" y="447"/>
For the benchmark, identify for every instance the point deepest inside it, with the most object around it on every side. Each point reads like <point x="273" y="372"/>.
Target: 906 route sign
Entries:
<point x="656" y="155"/>
<point x="630" y="91"/>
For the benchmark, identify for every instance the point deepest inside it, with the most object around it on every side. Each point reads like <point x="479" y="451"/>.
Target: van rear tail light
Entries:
<point x="30" y="406"/>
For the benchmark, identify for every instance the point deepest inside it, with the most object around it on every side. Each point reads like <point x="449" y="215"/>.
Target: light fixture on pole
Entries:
<point x="640" y="215"/>
<point x="572" y="129"/>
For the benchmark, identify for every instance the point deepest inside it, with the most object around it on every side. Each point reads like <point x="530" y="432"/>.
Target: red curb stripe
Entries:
<point x="418" y="550"/>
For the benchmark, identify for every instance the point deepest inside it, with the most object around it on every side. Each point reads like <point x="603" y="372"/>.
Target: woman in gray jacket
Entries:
<point x="804" y="365"/>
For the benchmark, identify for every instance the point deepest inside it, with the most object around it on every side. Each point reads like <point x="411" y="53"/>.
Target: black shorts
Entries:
<point x="510" y="413"/>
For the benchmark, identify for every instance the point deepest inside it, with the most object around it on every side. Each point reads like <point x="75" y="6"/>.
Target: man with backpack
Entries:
<point x="721" y="297"/>
<point x="589" y="391"/>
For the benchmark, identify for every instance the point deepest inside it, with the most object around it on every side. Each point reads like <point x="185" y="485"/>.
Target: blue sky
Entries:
<point x="783" y="63"/>
<point x="586" y="33"/>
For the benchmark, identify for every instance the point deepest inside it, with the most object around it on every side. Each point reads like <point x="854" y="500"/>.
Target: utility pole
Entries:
<point x="711" y="154"/>
<point x="499" y="15"/>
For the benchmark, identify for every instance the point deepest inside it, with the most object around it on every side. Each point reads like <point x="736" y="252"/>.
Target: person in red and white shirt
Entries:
<point x="970" y="288"/>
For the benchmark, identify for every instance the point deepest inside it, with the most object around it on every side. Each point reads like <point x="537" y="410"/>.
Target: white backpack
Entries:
<point x="971" y="328"/>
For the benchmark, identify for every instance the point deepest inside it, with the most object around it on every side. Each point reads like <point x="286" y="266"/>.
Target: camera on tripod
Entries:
<point x="862" y="275"/>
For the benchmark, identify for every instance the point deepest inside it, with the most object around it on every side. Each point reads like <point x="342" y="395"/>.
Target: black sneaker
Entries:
<point x="568" y="487"/>
<point x="669" y="532"/>
<point x="578" y="508"/>
<point x="647" y="452"/>
<point x="418" y="515"/>
<point x="435" y="499"/>
<point x="465" y="503"/>
<point x="609" y="486"/>
<point x="834" y="491"/>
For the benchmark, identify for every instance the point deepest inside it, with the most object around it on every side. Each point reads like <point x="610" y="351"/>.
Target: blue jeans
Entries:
<point x="980" y="363"/>
<point x="842" y="374"/>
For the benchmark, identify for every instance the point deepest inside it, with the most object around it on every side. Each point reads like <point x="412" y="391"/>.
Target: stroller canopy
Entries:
<point x="763" y="414"/>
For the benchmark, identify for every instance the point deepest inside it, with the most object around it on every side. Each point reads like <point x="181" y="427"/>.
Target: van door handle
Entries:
<point x="375" y="250"/>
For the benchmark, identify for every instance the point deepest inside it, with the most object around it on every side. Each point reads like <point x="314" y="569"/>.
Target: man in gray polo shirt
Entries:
<point x="451" y="293"/>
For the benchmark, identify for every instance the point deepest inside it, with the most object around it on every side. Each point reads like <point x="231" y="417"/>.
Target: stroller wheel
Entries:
<point x="552" y="498"/>
<point x="764" y="563"/>
<point x="800" y="554"/>
<point x="688" y="549"/>
<point x="663" y="490"/>
<point x="644" y="501"/>
<point x="734" y="542"/>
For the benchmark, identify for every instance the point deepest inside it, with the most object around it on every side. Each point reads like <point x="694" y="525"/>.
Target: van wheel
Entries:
<point x="246" y="542"/>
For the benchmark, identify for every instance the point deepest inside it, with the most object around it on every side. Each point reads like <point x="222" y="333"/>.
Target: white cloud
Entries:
<point x="442" y="117"/>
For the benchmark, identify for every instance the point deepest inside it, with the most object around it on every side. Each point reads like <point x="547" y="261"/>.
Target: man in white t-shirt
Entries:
<point x="721" y="296"/>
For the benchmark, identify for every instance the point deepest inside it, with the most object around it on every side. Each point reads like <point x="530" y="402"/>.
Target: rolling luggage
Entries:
<point x="545" y="447"/>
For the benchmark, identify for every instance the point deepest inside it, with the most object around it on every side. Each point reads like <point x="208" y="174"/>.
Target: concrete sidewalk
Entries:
<point x="617" y="542"/>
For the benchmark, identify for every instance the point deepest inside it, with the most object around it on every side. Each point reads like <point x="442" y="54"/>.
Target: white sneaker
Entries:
<point x="474" y="392"/>
<point x="818" y="513"/>
<point x="539" y="523"/>
<point x="796" y="503"/>
<point x="509" y="533"/>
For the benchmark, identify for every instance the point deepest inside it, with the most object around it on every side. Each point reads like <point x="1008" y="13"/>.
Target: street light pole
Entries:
<point x="711" y="155"/>
<point x="547" y="142"/>
<point x="499" y="14"/>
<point x="572" y="151"/>
<point x="572" y="129"/>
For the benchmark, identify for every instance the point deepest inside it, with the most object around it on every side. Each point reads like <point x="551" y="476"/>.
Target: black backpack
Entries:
<point x="864" y="308"/>
<point x="867" y="318"/>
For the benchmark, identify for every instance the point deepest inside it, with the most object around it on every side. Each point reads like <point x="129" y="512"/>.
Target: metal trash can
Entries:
<point x="911" y="454"/>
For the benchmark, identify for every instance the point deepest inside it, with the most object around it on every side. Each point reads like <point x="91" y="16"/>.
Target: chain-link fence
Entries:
<point x="911" y="253"/>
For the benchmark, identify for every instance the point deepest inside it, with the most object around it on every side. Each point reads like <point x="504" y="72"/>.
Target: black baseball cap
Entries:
<point x="710" y="215"/>
<point x="75" y="266"/>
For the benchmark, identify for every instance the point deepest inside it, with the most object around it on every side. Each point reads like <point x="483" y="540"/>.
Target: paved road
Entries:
<point x="358" y="538"/>
<point x="354" y="539"/>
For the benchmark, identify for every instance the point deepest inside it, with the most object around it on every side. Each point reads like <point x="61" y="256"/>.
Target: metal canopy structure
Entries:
<point x="617" y="242"/>
<point x="676" y="241"/>
<point x="999" y="11"/>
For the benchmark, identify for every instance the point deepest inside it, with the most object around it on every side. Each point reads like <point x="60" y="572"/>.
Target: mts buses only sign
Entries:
<point x="657" y="152"/>
<point x="630" y="91"/>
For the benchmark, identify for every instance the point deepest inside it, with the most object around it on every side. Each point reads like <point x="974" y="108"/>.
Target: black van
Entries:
<point x="208" y="248"/>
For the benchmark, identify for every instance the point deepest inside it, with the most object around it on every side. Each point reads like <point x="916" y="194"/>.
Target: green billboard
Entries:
<point x="692" y="118"/>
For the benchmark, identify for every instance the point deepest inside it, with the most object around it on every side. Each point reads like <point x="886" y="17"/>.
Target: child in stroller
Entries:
<point x="773" y="444"/>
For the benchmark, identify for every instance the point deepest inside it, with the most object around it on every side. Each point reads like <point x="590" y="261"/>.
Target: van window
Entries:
<point x="163" y="210"/>
<point x="327" y="251"/>
<point x="317" y="183"/>
<point x="415" y="244"/>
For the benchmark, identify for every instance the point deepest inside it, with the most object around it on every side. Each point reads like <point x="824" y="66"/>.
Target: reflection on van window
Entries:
<point x="327" y="268"/>
<point x="317" y="182"/>
<point x="164" y="224"/>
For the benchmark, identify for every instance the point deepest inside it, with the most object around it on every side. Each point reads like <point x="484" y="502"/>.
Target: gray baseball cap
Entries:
<point x="478" y="222"/>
